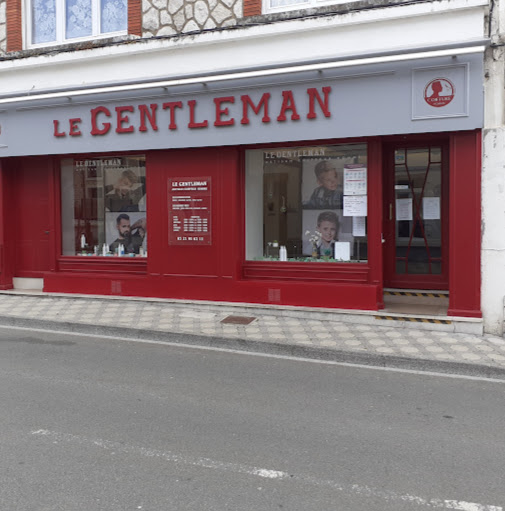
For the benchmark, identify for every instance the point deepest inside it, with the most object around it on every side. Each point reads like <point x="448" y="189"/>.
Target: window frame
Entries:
<point x="257" y="267"/>
<point x="61" y="6"/>
<point x="365" y="273"/>
<point x="77" y="262"/>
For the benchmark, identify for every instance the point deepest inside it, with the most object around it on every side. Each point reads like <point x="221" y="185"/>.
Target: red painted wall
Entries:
<point x="28" y="216"/>
<point x="220" y="260"/>
<point x="465" y="224"/>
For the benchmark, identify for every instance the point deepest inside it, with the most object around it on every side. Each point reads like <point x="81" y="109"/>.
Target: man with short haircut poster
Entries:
<point x="131" y="241"/>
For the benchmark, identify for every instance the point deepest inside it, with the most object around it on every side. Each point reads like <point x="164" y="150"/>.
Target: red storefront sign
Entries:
<point x="189" y="211"/>
<point x="228" y="111"/>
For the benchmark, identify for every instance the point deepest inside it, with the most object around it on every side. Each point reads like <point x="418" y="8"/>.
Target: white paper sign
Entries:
<point x="355" y="205"/>
<point x="343" y="250"/>
<point x="431" y="208"/>
<point x="355" y="179"/>
<point x="403" y="209"/>
<point x="359" y="226"/>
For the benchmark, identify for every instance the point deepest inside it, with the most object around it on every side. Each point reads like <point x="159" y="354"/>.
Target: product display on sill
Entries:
<point x="324" y="259"/>
<point x="314" y="204"/>
<point x="104" y="251"/>
<point x="104" y="207"/>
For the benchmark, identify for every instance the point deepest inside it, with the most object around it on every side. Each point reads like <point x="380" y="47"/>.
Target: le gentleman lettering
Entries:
<point x="228" y="111"/>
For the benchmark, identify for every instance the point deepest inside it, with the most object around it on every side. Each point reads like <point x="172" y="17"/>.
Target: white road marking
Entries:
<point x="355" y="489"/>
<point x="257" y="354"/>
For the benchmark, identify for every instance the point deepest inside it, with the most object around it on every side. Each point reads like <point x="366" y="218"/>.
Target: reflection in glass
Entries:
<point x="435" y="154"/>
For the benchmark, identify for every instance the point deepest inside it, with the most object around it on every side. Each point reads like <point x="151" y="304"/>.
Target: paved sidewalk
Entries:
<point x="270" y="331"/>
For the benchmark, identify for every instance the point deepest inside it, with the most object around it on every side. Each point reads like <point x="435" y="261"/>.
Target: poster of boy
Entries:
<point x="322" y="184"/>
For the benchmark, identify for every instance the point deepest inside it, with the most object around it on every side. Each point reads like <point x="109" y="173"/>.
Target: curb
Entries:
<point x="267" y="347"/>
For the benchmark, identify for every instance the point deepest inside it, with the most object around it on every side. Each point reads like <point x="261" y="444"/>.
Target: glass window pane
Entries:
<point x="435" y="154"/>
<point x="78" y="19"/>
<point x="113" y="15"/>
<point x="104" y="206"/>
<point x="418" y="215"/>
<point x="302" y="191"/>
<point x="43" y="21"/>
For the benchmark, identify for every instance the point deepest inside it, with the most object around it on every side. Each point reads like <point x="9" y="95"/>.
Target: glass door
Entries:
<point x="415" y="218"/>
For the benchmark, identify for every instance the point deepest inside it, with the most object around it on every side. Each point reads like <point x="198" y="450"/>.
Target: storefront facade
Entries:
<point x="315" y="184"/>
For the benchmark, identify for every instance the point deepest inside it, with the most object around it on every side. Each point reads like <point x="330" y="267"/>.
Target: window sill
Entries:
<point x="98" y="42"/>
<point x="297" y="12"/>
<point x="323" y="271"/>
<point x="306" y="260"/>
<point x="99" y="264"/>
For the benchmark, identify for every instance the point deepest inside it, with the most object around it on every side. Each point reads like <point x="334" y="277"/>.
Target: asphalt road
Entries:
<point x="101" y="424"/>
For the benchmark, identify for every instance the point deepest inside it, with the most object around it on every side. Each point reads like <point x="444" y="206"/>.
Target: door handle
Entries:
<point x="382" y="239"/>
<point x="390" y="211"/>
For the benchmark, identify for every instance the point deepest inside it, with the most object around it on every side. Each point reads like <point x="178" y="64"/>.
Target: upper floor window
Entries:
<point x="59" y="21"/>
<point x="289" y="5"/>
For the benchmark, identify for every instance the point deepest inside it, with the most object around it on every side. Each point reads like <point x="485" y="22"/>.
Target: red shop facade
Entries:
<point x="320" y="191"/>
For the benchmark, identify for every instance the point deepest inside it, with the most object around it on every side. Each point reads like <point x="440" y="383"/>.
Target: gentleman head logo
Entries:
<point x="439" y="92"/>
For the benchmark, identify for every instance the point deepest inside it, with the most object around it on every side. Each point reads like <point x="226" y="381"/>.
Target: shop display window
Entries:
<point x="307" y="204"/>
<point x="103" y="206"/>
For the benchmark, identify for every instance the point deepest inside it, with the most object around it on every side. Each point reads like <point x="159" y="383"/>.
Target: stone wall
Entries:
<point x="169" y="17"/>
<point x="3" y="27"/>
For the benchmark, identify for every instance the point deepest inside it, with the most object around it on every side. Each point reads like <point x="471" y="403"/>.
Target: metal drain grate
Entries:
<point x="238" y="320"/>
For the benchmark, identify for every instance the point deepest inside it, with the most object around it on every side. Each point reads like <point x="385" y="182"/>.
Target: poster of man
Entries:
<point x="125" y="188"/>
<point x="126" y="230"/>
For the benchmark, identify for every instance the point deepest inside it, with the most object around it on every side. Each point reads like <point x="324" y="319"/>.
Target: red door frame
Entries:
<point x="411" y="281"/>
<point x="464" y="217"/>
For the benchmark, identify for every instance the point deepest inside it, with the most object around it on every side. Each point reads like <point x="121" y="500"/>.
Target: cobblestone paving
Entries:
<point x="205" y="320"/>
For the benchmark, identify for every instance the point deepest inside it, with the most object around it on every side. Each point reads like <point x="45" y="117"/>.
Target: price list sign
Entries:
<point x="189" y="203"/>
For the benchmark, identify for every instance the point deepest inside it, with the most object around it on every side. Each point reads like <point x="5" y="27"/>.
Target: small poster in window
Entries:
<point x="359" y="226"/>
<point x="355" y="205"/>
<point x="343" y="250"/>
<point x="355" y="181"/>
<point x="403" y="209"/>
<point x="431" y="208"/>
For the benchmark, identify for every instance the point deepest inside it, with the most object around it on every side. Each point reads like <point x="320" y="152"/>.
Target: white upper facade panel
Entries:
<point x="240" y="43"/>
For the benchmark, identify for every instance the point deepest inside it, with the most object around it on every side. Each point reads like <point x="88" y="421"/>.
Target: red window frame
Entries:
<point x="365" y="272"/>
<point x="94" y="264"/>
